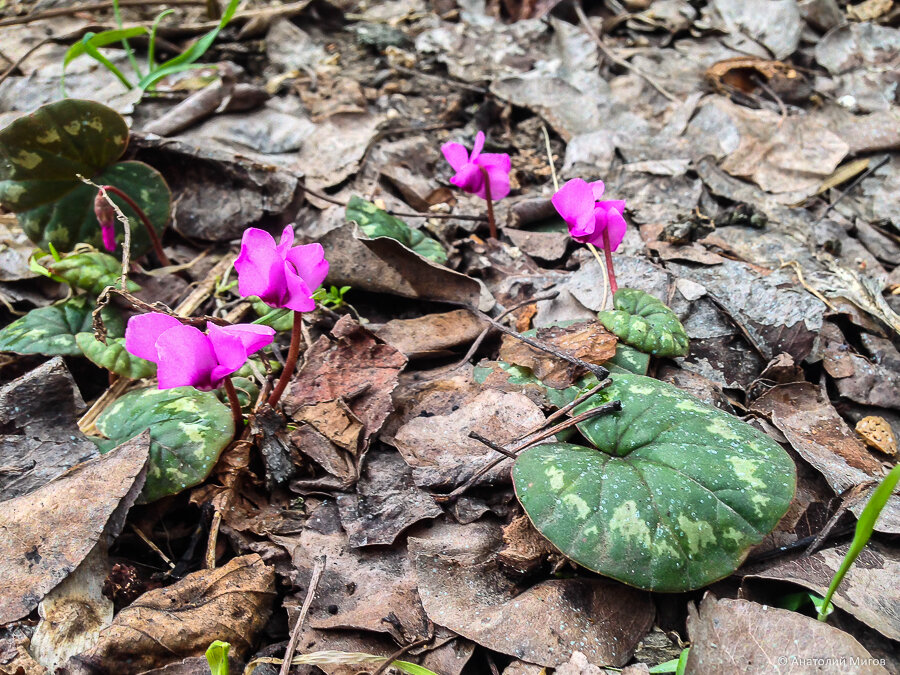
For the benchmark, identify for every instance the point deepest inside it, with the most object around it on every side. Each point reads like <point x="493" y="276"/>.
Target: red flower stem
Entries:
<point x="613" y="287"/>
<point x="490" y="202"/>
<point x="151" y="232"/>
<point x="235" y="403"/>
<point x="291" y="361"/>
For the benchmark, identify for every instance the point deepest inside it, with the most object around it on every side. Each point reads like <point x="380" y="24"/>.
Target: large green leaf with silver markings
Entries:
<point x="71" y="219"/>
<point x="642" y="321"/>
<point x="51" y="330"/>
<point x="671" y="498"/>
<point x="42" y="154"/>
<point x="91" y="270"/>
<point x="188" y="431"/>
<point x="375" y="222"/>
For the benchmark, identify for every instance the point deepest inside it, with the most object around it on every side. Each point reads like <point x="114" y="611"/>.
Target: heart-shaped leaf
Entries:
<point x="645" y="323"/>
<point x="51" y="330"/>
<point x="92" y="270"/>
<point x="672" y="498"/>
<point x="42" y="153"/>
<point x="71" y="219"/>
<point x="114" y="357"/>
<point x="188" y="431"/>
<point x="628" y="360"/>
<point x="375" y="222"/>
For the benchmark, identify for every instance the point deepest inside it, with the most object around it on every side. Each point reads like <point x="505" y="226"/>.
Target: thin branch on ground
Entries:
<point x="318" y="568"/>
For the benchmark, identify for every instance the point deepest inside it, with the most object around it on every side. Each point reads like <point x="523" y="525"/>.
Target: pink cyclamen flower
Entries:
<point x="579" y="204"/>
<point x="186" y="356"/>
<point x="280" y="274"/>
<point x="469" y="175"/>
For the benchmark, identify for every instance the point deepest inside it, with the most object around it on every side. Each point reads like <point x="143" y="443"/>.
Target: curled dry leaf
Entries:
<point x="230" y="603"/>
<point x="866" y="592"/>
<point x="462" y="588"/>
<point x="432" y="334"/>
<point x="439" y="448"/>
<point x="729" y="636"/>
<point x="586" y="340"/>
<point x="38" y="436"/>
<point x="48" y="532"/>
<point x="878" y="434"/>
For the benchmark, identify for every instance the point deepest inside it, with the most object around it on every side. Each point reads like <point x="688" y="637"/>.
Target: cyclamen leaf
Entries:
<point x="114" y="357"/>
<point x="51" y="330"/>
<point x="671" y="498"/>
<point x="93" y="271"/>
<point x="42" y="153"/>
<point x="642" y="321"/>
<point x="375" y="222"/>
<point x="188" y="431"/>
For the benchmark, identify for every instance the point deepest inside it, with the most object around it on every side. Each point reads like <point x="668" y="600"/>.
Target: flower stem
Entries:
<point x="600" y="262"/>
<point x="151" y="232"/>
<point x="492" y="224"/>
<point x="291" y="361"/>
<point x="235" y="403"/>
<point x="610" y="270"/>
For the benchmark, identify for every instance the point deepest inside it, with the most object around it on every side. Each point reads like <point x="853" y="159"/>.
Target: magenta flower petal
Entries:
<point x="260" y="267"/>
<point x="229" y="351"/>
<point x="615" y="228"/>
<point x="456" y="155"/>
<point x="108" y="233"/>
<point x="310" y="263"/>
<point x="185" y="358"/>
<point x="597" y="188"/>
<point x="469" y="178"/>
<point x="298" y="296"/>
<point x="287" y="240"/>
<point x="144" y="330"/>
<point x="572" y="201"/>
<point x="479" y="145"/>
<point x="253" y="336"/>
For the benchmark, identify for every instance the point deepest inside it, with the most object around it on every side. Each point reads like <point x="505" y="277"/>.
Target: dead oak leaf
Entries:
<point x="230" y="603"/>
<point x="48" y="532"/>
<point x="730" y="636"/>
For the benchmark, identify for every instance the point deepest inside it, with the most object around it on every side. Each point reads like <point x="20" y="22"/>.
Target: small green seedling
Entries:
<point x="217" y="657"/>
<point x="863" y="533"/>
<point x="333" y="298"/>
<point x="798" y="601"/>
<point x="91" y="43"/>
<point x="676" y="666"/>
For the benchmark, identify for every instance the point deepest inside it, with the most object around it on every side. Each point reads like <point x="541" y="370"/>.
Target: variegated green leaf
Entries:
<point x="671" y="498"/>
<point x="71" y="220"/>
<point x="375" y="222"/>
<point x="114" y="357"/>
<point x="51" y="330"/>
<point x="642" y="321"/>
<point x="628" y="360"/>
<point x="247" y="391"/>
<point x="92" y="270"/>
<point x="188" y="431"/>
<point x="41" y="154"/>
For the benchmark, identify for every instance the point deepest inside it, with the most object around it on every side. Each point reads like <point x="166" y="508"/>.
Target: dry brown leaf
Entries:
<point x="48" y="532"/>
<point x="745" y="72"/>
<point x="586" y="340"/>
<point x="462" y="588"/>
<point x="524" y="548"/>
<point x="867" y="592"/>
<point x="869" y="10"/>
<point x="230" y="603"/>
<point x="432" y="334"/>
<point x="440" y="451"/>
<point x="352" y="366"/>
<point x="878" y="434"/>
<point x="737" y="636"/>
<point x="329" y="434"/>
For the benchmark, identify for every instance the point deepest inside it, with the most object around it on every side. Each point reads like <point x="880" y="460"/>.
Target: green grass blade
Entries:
<point x="151" y="50"/>
<point x="127" y="47"/>
<point x="95" y="40"/>
<point x="864" y="527"/>
<point x="192" y="53"/>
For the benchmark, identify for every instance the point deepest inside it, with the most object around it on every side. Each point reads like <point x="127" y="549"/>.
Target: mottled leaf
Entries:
<point x="672" y="497"/>
<point x="375" y="222"/>
<point x="51" y="330"/>
<point x="42" y="153"/>
<point x="71" y="219"/>
<point x="92" y="270"/>
<point x="510" y="377"/>
<point x="188" y="431"/>
<point x="628" y="360"/>
<point x="114" y="357"/>
<point x="642" y="321"/>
